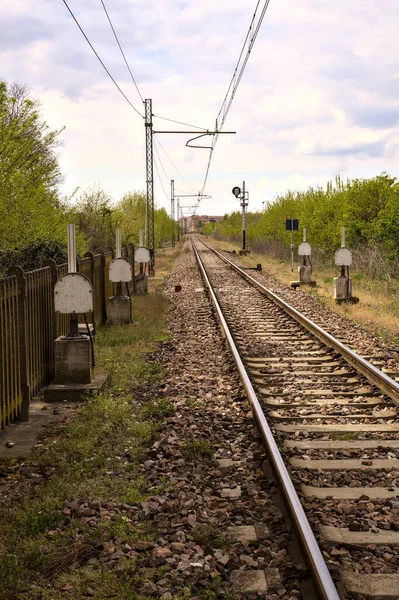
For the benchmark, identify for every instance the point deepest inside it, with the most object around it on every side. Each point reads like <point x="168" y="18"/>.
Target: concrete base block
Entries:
<point x="249" y="582"/>
<point x="72" y="361"/>
<point x="383" y="586"/>
<point x="82" y="328"/>
<point x="352" y="300"/>
<point x="296" y="284"/>
<point x="244" y="252"/>
<point x="141" y="283"/>
<point x="118" y="310"/>
<point x="342" y="290"/>
<point x="75" y="392"/>
<point x="305" y="274"/>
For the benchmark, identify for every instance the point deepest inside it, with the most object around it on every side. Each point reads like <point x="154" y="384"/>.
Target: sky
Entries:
<point x="319" y="96"/>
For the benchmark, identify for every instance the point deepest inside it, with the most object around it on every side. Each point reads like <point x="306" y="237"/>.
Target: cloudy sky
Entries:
<point x="320" y="94"/>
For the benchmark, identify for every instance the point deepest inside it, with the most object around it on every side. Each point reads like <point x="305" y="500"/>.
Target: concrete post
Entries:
<point x="342" y="285"/>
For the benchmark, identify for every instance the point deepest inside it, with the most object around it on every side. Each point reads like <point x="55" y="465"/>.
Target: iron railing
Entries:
<point x="29" y="326"/>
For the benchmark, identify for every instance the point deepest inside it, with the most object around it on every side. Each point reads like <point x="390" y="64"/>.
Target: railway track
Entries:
<point x="329" y="419"/>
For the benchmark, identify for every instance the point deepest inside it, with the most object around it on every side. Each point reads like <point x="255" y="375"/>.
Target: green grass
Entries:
<point x="194" y="449"/>
<point x="214" y="591"/>
<point x="159" y="411"/>
<point x="350" y="435"/>
<point x="208" y="536"/>
<point x="95" y="455"/>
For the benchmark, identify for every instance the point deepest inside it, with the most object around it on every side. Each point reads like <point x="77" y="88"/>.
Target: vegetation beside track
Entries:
<point x="48" y="549"/>
<point x="377" y="310"/>
<point x="33" y="212"/>
<point x="368" y="209"/>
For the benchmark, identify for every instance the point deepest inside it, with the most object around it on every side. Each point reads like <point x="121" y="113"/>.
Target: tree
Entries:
<point x="93" y="214"/>
<point x="30" y="210"/>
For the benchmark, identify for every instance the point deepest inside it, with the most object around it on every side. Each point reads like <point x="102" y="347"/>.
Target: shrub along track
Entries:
<point x="338" y="432"/>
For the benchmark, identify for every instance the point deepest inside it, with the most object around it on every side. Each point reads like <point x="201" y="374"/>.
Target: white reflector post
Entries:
<point x="71" y="249"/>
<point x="118" y="243"/>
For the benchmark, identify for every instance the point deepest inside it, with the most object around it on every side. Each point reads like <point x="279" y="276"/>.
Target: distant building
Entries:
<point x="192" y="223"/>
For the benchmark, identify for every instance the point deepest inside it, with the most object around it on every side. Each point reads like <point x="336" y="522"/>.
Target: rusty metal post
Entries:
<point x="50" y="262"/>
<point x="102" y="284"/>
<point x="130" y="257"/>
<point x="92" y="279"/>
<point x="22" y="328"/>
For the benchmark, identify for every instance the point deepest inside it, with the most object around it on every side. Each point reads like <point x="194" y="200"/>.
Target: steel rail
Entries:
<point x="318" y="567"/>
<point x="385" y="383"/>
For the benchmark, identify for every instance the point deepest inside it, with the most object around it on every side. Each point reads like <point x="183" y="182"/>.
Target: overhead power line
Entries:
<point x="180" y="123"/>
<point x="102" y="64"/>
<point x="160" y="162"/>
<point x="160" y="179"/>
<point x="120" y="48"/>
<point x="249" y="42"/>
<point x="172" y="163"/>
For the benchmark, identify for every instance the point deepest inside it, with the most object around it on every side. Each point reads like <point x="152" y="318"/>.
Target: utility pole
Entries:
<point x="172" y="209"/>
<point x="150" y="228"/>
<point x="150" y="185"/>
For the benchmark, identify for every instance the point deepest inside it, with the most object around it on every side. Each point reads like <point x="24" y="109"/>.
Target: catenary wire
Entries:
<point x="160" y="161"/>
<point x="163" y="168"/>
<point x="173" y="164"/>
<point x="120" y="48"/>
<point x="160" y="179"/>
<point x="235" y="80"/>
<point x="180" y="123"/>
<point x="103" y="65"/>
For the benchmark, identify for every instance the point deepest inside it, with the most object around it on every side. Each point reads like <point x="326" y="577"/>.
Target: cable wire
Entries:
<point x="180" y="123"/>
<point x="251" y="36"/>
<point x="160" y="162"/>
<point x="120" y="48"/>
<point x="173" y="164"/>
<point x="160" y="179"/>
<point x="103" y="65"/>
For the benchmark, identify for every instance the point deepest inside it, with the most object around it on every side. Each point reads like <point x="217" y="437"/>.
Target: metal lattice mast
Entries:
<point x="150" y="184"/>
<point x="172" y="209"/>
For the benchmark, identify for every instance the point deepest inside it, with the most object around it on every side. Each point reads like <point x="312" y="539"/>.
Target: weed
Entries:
<point x="192" y="402"/>
<point x="38" y="522"/>
<point x="148" y="371"/>
<point x="159" y="411"/>
<point x="208" y="536"/>
<point x="358" y="277"/>
<point x="215" y="591"/>
<point x="349" y="435"/>
<point x="201" y="448"/>
<point x="86" y="462"/>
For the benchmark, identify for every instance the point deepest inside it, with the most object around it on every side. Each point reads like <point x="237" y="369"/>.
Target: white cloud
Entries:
<point x="319" y="96"/>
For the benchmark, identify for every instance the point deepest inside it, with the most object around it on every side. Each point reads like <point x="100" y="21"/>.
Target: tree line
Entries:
<point x="368" y="208"/>
<point x="34" y="214"/>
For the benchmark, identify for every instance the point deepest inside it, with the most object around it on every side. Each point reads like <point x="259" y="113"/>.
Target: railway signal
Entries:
<point x="244" y="199"/>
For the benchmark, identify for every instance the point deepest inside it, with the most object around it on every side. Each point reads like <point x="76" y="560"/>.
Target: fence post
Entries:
<point x="92" y="276"/>
<point x="22" y="327"/>
<point x="50" y="262"/>
<point x="130" y="257"/>
<point x="103" y="291"/>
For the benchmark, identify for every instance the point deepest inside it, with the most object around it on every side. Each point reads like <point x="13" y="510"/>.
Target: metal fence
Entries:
<point x="29" y="326"/>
